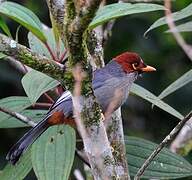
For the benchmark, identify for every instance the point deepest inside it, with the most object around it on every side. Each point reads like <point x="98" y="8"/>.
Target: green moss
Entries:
<point x="108" y="161"/>
<point x="91" y="113"/>
<point x="45" y="66"/>
<point x="70" y="9"/>
<point x="113" y="127"/>
<point x="117" y="154"/>
<point x="185" y="149"/>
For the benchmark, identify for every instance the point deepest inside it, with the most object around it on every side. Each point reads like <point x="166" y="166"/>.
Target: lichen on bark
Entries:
<point x="31" y="59"/>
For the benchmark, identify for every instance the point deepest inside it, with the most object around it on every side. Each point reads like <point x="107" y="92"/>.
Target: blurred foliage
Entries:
<point x="158" y="49"/>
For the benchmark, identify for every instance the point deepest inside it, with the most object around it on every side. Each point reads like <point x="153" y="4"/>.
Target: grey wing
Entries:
<point x="63" y="103"/>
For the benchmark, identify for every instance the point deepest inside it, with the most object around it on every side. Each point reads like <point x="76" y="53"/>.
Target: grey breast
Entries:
<point x="112" y="82"/>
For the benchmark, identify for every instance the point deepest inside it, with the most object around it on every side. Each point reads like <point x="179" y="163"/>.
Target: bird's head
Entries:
<point x="132" y="62"/>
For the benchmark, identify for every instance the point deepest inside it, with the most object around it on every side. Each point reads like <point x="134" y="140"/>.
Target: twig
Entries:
<point x="49" y="98"/>
<point x="186" y="47"/>
<point x="51" y="51"/>
<point x="168" y="138"/>
<point x="19" y="116"/>
<point x="41" y="104"/>
<point x="63" y="56"/>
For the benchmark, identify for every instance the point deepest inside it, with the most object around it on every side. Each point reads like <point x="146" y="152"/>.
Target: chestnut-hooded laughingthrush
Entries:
<point x="118" y="74"/>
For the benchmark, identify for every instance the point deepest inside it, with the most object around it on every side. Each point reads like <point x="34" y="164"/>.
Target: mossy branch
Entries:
<point x="31" y="59"/>
<point x="78" y="15"/>
<point x="56" y="9"/>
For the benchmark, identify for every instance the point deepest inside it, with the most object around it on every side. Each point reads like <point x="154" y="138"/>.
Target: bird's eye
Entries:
<point x="135" y="65"/>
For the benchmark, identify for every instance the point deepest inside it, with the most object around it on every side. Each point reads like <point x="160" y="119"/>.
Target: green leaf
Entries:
<point x="182" y="81"/>
<point x="166" y="165"/>
<point x="37" y="46"/>
<point x="13" y="103"/>
<point x="2" y="55"/>
<point x="145" y="94"/>
<point x="187" y="11"/>
<point x="18" y="171"/>
<point x="12" y="122"/>
<point x="53" y="153"/>
<point x="117" y="10"/>
<point x="186" y="27"/>
<point x="36" y="83"/>
<point x="23" y="16"/>
<point x="4" y="27"/>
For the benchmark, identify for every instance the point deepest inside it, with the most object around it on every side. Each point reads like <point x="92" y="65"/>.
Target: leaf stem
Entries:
<point x="19" y="116"/>
<point x="51" y="51"/>
<point x="63" y="56"/>
<point x="42" y="105"/>
<point x="49" y="98"/>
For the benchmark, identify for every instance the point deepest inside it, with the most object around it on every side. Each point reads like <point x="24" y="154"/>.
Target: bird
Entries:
<point x="118" y="74"/>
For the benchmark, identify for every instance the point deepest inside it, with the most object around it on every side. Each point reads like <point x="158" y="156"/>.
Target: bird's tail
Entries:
<point x="17" y="150"/>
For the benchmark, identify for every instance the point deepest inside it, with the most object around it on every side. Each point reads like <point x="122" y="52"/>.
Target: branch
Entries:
<point x="113" y="122"/>
<point x="168" y="139"/>
<point x="94" y="136"/>
<point x="18" y="65"/>
<point x="31" y="59"/>
<point x="114" y="126"/>
<point x="56" y="9"/>
<point x="18" y="116"/>
<point x="94" y="45"/>
<point x="186" y="47"/>
<point x="78" y="15"/>
<point x="116" y="137"/>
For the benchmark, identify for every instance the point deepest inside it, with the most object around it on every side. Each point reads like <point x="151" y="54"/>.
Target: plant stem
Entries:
<point x="50" y="51"/>
<point x="63" y="56"/>
<point x="19" y="116"/>
<point x="49" y="98"/>
<point x="43" y="105"/>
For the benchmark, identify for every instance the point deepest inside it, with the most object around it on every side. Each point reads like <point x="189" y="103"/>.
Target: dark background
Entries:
<point x="158" y="49"/>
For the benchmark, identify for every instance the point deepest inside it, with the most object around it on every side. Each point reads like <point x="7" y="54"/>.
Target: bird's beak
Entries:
<point x="148" y="69"/>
